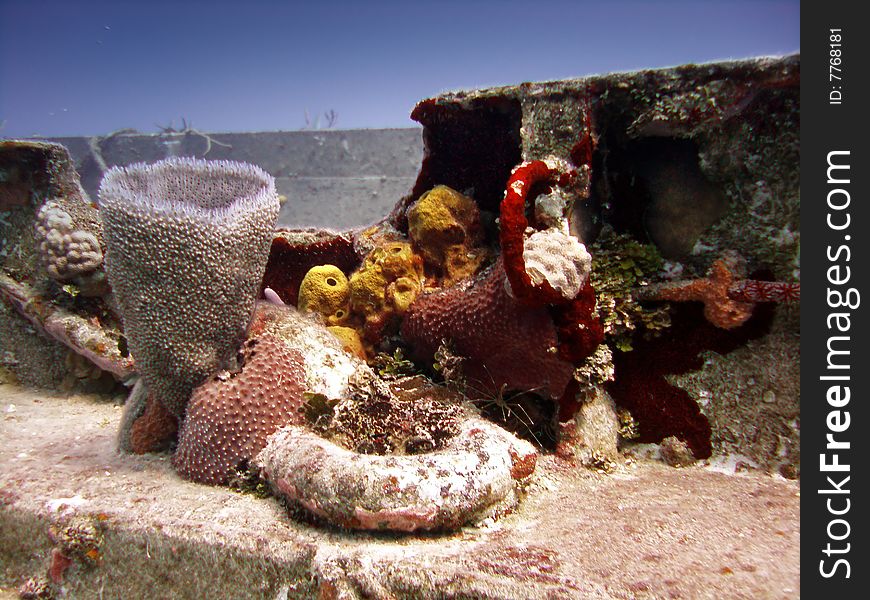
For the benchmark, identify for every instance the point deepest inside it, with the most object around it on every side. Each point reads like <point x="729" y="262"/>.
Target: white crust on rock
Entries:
<point x="476" y="475"/>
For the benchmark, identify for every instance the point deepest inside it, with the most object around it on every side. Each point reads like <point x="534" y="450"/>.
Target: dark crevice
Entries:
<point x="470" y="149"/>
<point x="654" y="190"/>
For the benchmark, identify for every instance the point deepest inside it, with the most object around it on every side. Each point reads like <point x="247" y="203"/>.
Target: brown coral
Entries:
<point x="444" y="226"/>
<point x="230" y="417"/>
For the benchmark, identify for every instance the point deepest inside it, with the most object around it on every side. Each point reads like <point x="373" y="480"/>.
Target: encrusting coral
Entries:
<point x="327" y="365"/>
<point x="445" y="229"/>
<point x="287" y="358"/>
<point x="230" y="417"/>
<point x="398" y="416"/>
<point x="187" y="243"/>
<point x="475" y="475"/>
<point x="621" y="265"/>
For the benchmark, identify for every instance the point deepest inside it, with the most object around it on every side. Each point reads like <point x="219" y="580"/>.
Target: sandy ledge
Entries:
<point x="649" y="531"/>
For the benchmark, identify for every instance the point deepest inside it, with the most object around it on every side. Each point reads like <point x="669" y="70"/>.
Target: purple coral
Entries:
<point x="187" y="242"/>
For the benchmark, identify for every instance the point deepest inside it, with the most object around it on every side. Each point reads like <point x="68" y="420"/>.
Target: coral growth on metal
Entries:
<point x="475" y="475"/>
<point x="728" y="301"/>
<point x="482" y="281"/>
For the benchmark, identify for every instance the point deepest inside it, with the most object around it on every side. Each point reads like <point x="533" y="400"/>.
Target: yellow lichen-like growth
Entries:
<point x="445" y="228"/>
<point x="325" y="290"/>
<point x="385" y="285"/>
<point x="350" y="340"/>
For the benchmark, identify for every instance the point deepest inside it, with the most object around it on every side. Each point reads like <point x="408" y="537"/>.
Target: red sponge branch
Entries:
<point x="512" y="228"/>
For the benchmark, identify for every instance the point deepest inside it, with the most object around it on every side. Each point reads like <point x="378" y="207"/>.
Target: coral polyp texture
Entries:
<point x="231" y="416"/>
<point x="557" y="259"/>
<point x="187" y="243"/>
<point x="70" y="254"/>
<point x="478" y="473"/>
<point x="504" y="342"/>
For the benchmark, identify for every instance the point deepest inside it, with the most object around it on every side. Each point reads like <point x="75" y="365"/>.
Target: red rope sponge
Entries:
<point x="512" y="228"/>
<point x="579" y="329"/>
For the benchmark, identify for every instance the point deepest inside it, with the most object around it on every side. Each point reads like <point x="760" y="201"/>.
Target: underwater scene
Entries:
<point x="560" y="360"/>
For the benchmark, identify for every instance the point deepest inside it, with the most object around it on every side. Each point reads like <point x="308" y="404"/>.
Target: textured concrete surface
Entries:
<point x="647" y="531"/>
<point x="337" y="179"/>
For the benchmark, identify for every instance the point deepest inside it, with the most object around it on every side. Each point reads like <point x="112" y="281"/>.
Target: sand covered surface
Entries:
<point x="646" y="531"/>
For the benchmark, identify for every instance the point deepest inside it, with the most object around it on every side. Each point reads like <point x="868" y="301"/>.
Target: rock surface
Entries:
<point x="647" y="531"/>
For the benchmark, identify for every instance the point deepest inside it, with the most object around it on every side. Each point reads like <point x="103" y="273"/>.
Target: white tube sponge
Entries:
<point x="187" y="243"/>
